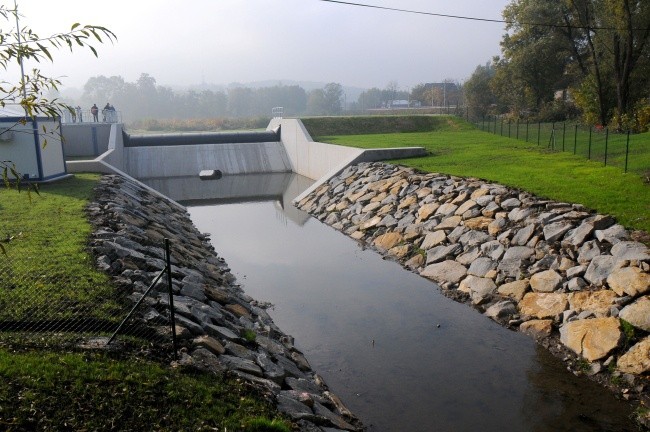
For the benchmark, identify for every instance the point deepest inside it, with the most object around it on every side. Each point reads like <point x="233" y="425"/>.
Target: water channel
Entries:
<point x="401" y="355"/>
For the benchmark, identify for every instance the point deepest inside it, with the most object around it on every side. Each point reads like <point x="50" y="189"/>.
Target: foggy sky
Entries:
<point x="224" y="41"/>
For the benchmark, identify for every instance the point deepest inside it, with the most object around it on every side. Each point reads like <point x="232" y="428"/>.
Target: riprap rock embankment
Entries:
<point x="573" y="279"/>
<point x="214" y="317"/>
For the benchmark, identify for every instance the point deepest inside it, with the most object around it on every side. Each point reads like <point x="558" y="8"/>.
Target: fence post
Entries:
<point x="501" y="131"/>
<point x="563" y="134"/>
<point x="509" y="123"/>
<point x="606" y="142"/>
<point x="575" y="140"/>
<point x="495" y="125"/>
<point x="539" y="131"/>
<point x="517" y="128"/>
<point x="589" y="151"/>
<point x="553" y="136"/>
<point x="171" y="297"/>
<point x="527" y="124"/>
<point x="627" y="149"/>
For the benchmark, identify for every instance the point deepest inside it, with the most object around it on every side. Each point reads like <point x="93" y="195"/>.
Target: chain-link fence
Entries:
<point x="66" y="302"/>
<point x="624" y="150"/>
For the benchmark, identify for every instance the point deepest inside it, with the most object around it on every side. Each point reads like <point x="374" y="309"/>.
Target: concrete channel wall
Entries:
<point x="295" y="152"/>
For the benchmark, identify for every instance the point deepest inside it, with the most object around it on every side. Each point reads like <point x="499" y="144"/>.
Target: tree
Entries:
<point x="478" y="91"/>
<point x="534" y="58"/>
<point x="31" y="92"/>
<point x="333" y="94"/>
<point x="599" y="48"/>
<point x="617" y="38"/>
<point x="316" y="104"/>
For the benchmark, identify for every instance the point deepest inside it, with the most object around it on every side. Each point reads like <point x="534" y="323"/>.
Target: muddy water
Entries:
<point x="401" y="356"/>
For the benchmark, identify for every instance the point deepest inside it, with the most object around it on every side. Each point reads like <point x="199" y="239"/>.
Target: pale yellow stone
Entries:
<point x="407" y="202"/>
<point x="467" y="205"/>
<point x="379" y="198"/>
<point x="478" y="223"/>
<point x="598" y="302"/>
<point x="387" y="209"/>
<point x="389" y="240"/>
<point x="427" y="210"/>
<point x="479" y="193"/>
<point x="629" y="281"/>
<point x="370" y="223"/>
<point x="400" y="251"/>
<point x="421" y="193"/>
<point x="637" y="359"/>
<point x="515" y="290"/>
<point x="543" y="305"/>
<point x="537" y="329"/>
<point x="593" y="339"/>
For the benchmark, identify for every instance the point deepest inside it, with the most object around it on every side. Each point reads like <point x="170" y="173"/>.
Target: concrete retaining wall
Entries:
<point x="86" y="139"/>
<point x="321" y="161"/>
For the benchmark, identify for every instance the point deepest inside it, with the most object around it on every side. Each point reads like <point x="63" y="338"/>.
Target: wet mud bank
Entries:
<point x="574" y="280"/>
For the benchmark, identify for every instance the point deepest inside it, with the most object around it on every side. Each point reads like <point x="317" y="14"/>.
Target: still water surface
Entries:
<point x="401" y="355"/>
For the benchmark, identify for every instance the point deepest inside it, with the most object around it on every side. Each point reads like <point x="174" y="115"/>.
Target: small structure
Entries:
<point x="32" y="144"/>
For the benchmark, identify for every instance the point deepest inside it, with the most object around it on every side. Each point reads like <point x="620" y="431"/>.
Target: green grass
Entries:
<point x="92" y="391"/>
<point x="46" y="272"/>
<point x="598" y="145"/>
<point x="466" y="151"/>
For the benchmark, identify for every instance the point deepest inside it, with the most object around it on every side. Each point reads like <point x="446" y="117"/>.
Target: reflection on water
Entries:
<point x="401" y="355"/>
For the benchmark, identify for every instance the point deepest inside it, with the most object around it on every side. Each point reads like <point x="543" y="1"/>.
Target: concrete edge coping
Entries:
<point x="99" y="166"/>
<point x="368" y="155"/>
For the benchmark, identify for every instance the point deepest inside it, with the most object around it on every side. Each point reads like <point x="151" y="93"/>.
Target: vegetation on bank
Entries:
<point x="97" y="391"/>
<point x="197" y="124"/>
<point x="44" y="388"/>
<point x="457" y="148"/>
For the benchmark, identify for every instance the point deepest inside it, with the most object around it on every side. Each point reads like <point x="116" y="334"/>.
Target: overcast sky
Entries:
<point x="225" y="41"/>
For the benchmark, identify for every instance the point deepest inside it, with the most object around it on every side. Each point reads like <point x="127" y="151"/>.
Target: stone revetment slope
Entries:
<point x="574" y="280"/>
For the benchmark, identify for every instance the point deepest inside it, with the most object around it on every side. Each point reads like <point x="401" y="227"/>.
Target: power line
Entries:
<point x="468" y="18"/>
<point x="413" y="11"/>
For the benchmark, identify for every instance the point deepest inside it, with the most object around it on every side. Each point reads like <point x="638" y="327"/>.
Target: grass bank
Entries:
<point x="45" y="388"/>
<point x="458" y="148"/>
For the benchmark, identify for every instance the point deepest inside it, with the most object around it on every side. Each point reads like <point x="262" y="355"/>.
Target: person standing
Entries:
<point x="80" y="117"/>
<point x="95" y="111"/>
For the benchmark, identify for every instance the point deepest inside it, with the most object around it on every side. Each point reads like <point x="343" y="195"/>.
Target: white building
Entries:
<point x="33" y="145"/>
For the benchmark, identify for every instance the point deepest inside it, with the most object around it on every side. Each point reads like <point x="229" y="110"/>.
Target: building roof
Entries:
<point x="12" y="110"/>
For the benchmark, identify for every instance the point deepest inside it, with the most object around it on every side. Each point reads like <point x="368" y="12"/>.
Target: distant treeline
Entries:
<point x="145" y="99"/>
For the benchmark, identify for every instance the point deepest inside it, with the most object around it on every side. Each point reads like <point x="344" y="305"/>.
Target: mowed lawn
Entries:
<point x="460" y="149"/>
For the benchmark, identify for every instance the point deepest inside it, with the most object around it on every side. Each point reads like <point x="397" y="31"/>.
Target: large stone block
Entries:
<point x="447" y="271"/>
<point x="592" y="339"/>
<point x="638" y="313"/>
<point x="543" y="305"/>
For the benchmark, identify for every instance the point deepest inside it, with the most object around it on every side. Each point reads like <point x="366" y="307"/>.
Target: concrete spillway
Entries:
<point x="185" y="154"/>
<point x="285" y="146"/>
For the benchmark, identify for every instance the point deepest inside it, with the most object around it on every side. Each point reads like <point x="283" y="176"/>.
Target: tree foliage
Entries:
<point x="22" y="44"/>
<point x="595" y="51"/>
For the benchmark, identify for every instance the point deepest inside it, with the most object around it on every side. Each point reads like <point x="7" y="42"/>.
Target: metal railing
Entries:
<point x="86" y="116"/>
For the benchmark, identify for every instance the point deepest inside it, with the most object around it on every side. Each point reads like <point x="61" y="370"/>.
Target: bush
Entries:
<point x="557" y="111"/>
<point x="637" y="120"/>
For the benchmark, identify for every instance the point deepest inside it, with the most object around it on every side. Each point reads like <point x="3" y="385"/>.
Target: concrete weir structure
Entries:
<point x="285" y="146"/>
